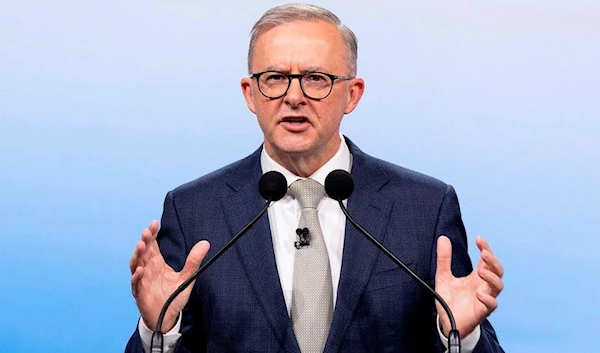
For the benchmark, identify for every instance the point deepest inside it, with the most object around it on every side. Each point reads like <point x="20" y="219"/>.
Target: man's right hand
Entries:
<point x="153" y="281"/>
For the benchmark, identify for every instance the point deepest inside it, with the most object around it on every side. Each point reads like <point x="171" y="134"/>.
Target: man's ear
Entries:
<point x="357" y="88"/>
<point x="248" y="92"/>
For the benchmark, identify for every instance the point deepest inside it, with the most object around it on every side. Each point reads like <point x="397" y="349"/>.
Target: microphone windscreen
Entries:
<point x="339" y="184"/>
<point x="272" y="186"/>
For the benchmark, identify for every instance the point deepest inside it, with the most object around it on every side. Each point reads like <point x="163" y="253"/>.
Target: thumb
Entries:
<point x="444" y="256"/>
<point x="195" y="257"/>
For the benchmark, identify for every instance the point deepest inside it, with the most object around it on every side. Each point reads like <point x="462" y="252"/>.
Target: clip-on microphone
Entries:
<point x="303" y="236"/>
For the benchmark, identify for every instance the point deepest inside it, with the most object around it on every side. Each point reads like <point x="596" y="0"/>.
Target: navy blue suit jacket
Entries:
<point x="237" y="305"/>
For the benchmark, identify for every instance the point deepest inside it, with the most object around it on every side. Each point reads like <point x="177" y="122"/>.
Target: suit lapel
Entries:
<point x="255" y="248"/>
<point x="371" y="209"/>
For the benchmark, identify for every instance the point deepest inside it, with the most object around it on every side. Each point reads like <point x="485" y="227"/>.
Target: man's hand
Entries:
<point x="153" y="281"/>
<point x="471" y="298"/>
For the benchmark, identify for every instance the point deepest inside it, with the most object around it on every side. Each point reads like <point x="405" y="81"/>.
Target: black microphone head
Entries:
<point x="272" y="186"/>
<point x="339" y="184"/>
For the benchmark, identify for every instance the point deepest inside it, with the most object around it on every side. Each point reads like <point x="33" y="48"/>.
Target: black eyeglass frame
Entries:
<point x="299" y="77"/>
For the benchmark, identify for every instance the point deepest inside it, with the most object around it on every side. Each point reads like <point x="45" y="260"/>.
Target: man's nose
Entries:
<point x="295" y="95"/>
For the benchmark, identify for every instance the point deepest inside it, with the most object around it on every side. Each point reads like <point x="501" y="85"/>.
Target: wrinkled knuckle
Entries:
<point x="485" y="274"/>
<point x="494" y="305"/>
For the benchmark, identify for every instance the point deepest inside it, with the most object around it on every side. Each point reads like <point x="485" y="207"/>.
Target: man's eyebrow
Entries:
<point x="313" y="69"/>
<point x="275" y="68"/>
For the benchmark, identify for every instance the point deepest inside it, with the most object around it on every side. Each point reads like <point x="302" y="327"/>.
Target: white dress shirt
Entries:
<point x="284" y="216"/>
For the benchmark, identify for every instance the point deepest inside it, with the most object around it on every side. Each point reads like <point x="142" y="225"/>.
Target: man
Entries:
<point x="302" y="64"/>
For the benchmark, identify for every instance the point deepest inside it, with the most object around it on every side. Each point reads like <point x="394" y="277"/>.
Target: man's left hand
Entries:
<point x="471" y="298"/>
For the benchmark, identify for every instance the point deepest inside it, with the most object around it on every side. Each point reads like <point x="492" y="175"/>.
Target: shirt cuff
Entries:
<point x="467" y="344"/>
<point x="169" y="339"/>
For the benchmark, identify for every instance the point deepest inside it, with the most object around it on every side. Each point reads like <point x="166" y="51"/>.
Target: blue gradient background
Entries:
<point x="107" y="105"/>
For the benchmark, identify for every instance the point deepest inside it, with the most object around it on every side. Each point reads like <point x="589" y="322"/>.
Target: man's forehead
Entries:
<point x="287" y="70"/>
<point x="298" y="31"/>
<point x="306" y="46"/>
<point x="296" y="66"/>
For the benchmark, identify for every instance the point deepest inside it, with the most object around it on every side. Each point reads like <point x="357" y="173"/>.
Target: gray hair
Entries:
<point x="304" y="12"/>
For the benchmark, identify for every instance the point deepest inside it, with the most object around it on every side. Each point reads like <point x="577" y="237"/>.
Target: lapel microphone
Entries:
<point x="303" y="238"/>
<point x="339" y="185"/>
<point x="272" y="187"/>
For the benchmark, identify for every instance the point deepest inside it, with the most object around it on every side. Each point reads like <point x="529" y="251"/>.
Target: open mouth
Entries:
<point x="294" y="120"/>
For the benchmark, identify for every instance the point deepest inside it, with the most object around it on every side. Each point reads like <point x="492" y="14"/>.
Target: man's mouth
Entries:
<point x="294" y="120"/>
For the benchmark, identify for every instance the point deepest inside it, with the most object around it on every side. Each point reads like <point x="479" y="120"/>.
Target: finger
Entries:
<point x="194" y="259"/>
<point x="444" y="256"/>
<point x="139" y="251"/>
<point x="149" y="239"/>
<point x="482" y="244"/>
<point x="136" y="281"/>
<point x="153" y="227"/>
<point x="494" y="282"/>
<point x="148" y="236"/>
<point x="492" y="263"/>
<point x="489" y="301"/>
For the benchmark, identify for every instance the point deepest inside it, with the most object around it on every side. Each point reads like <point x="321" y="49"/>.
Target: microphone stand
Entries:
<point x="158" y="335"/>
<point x="453" y="335"/>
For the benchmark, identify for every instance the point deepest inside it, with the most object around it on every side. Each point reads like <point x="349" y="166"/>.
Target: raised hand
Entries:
<point x="153" y="281"/>
<point x="471" y="298"/>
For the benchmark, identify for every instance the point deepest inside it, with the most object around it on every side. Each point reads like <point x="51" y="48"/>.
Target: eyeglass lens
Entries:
<point x="314" y="85"/>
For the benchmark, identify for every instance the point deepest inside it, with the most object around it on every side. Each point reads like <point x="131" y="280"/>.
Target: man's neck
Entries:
<point x="300" y="164"/>
<point x="342" y="159"/>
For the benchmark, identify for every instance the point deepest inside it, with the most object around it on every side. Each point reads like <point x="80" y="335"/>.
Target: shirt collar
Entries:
<point x="342" y="159"/>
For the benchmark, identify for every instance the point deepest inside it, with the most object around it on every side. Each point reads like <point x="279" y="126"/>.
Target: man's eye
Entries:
<point x="276" y="77"/>
<point x="314" y="77"/>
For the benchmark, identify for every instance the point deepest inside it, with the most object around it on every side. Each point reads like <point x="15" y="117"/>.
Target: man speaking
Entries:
<point x="303" y="279"/>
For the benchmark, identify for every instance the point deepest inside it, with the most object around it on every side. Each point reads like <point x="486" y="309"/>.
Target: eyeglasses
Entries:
<point x="314" y="85"/>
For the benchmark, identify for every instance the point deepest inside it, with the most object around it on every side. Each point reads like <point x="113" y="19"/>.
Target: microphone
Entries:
<point x="303" y="236"/>
<point x="339" y="185"/>
<point x="272" y="186"/>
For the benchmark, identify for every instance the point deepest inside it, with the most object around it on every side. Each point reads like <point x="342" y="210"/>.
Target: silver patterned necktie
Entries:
<point x="312" y="292"/>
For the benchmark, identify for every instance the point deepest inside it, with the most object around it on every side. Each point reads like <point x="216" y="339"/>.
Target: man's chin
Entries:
<point x="292" y="145"/>
<point x="295" y="151"/>
<point x="290" y="150"/>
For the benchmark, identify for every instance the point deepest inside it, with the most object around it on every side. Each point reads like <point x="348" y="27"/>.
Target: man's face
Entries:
<point x="294" y="125"/>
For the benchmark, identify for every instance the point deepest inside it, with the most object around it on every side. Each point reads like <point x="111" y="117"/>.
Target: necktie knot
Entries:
<point x="308" y="192"/>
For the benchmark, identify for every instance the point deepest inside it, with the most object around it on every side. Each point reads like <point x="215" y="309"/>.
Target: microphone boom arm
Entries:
<point x="158" y="348"/>
<point x="453" y="335"/>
